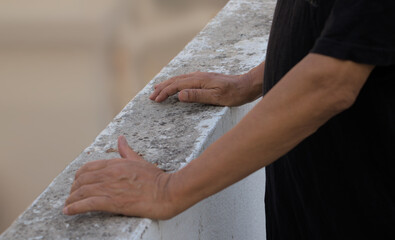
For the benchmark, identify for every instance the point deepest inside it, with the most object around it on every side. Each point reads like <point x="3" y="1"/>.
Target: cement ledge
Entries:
<point x="169" y="134"/>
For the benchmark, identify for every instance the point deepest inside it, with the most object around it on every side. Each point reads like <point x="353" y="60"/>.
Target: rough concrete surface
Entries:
<point x="169" y="134"/>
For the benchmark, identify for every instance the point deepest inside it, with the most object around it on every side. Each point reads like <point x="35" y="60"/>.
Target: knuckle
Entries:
<point x="79" y="172"/>
<point x="194" y="95"/>
<point x="162" y="83"/>
<point x="76" y="184"/>
<point x="170" y="81"/>
<point x="165" y="91"/>
<point x="159" y="87"/>
<point x="175" y="83"/>
<point x="196" y="81"/>
<point x="81" y="177"/>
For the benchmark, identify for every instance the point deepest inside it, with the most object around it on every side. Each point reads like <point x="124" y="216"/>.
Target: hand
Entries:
<point x="209" y="88"/>
<point x="129" y="186"/>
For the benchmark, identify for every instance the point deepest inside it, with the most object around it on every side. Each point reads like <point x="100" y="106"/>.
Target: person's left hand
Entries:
<point x="128" y="185"/>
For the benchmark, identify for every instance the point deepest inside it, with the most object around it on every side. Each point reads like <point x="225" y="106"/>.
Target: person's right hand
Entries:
<point x="209" y="88"/>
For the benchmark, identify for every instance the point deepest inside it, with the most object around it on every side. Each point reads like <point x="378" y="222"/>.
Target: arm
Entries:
<point x="315" y="90"/>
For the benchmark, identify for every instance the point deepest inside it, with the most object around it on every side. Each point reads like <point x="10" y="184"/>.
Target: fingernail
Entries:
<point x="65" y="211"/>
<point x="156" y="99"/>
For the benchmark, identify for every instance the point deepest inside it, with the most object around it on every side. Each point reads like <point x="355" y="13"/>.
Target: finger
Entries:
<point x="97" y="203"/>
<point x="188" y="83"/>
<point x="91" y="166"/>
<point x="159" y="87"/>
<point x="87" y="178"/>
<point x="86" y="191"/>
<point x="207" y="96"/>
<point x="124" y="150"/>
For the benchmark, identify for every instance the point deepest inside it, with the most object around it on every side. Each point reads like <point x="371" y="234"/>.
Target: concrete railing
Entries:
<point x="171" y="134"/>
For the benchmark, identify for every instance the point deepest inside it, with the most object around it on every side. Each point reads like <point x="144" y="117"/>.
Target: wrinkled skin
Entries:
<point x="209" y="88"/>
<point x="128" y="185"/>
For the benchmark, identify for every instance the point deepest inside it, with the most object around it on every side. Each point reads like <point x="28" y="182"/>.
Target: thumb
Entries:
<point x="124" y="150"/>
<point x="197" y="96"/>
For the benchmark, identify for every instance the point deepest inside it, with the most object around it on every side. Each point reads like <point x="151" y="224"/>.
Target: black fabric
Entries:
<point x="339" y="183"/>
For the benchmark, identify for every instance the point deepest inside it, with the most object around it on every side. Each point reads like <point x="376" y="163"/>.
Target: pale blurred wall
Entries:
<point x="66" y="68"/>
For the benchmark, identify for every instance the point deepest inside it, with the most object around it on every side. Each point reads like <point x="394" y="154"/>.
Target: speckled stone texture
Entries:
<point x="169" y="134"/>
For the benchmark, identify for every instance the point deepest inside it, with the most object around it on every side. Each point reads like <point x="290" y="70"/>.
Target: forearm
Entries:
<point x="294" y="109"/>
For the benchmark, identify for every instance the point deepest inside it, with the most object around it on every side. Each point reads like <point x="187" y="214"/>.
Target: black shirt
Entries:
<point x="339" y="183"/>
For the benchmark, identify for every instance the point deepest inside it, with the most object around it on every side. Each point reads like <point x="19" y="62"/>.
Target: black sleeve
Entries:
<point x="360" y="30"/>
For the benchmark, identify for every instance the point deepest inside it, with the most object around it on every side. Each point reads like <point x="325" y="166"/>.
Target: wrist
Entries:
<point x="256" y="77"/>
<point x="252" y="82"/>
<point x="187" y="187"/>
<point x="178" y="192"/>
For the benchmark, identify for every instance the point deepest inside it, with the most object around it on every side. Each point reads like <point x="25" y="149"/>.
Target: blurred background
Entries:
<point x="67" y="67"/>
